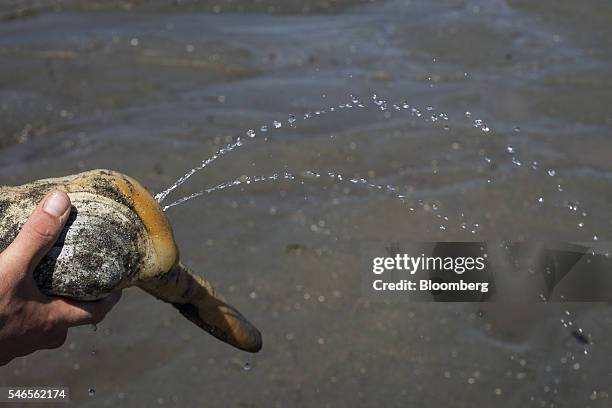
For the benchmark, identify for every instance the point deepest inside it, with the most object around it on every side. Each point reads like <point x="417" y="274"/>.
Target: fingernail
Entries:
<point x="56" y="203"/>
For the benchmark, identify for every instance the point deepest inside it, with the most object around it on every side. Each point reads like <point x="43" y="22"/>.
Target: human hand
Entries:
<point x="30" y="320"/>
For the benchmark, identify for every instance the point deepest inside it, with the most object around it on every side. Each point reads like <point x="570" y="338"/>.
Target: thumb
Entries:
<point x="40" y="231"/>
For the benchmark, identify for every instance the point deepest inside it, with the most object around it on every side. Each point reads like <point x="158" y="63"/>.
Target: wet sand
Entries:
<point x="153" y="90"/>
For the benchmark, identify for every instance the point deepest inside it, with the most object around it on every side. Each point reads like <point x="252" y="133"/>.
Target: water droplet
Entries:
<point x="595" y="238"/>
<point x="277" y="124"/>
<point x="551" y="172"/>
<point x="485" y="129"/>
<point x="517" y="129"/>
<point x="446" y="127"/>
<point x="91" y="392"/>
<point x="540" y="200"/>
<point x="291" y="120"/>
<point x="264" y="128"/>
<point x="247" y="366"/>
<point x="510" y="149"/>
<point x="250" y="133"/>
<point x="581" y="224"/>
<point x="468" y="114"/>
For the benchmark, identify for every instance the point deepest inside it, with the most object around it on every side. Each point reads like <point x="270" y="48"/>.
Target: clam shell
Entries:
<point x="101" y="251"/>
<point x="104" y="246"/>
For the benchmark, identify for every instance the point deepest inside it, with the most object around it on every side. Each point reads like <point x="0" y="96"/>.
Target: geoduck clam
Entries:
<point x="117" y="236"/>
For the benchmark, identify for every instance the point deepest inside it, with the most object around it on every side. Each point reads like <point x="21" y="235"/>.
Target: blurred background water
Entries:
<point x="153" y="88"/>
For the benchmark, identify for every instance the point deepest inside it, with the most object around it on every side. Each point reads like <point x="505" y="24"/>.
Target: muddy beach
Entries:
<point x="152" y="90"/>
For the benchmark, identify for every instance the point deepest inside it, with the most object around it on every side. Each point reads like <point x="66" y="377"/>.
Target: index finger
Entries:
<point x="74" y="313"/>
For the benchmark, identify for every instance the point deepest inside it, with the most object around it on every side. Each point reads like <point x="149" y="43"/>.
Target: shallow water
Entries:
<point x="154" y="91"/>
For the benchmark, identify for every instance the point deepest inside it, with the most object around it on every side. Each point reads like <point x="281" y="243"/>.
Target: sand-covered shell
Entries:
<point x="117" y="236"/>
